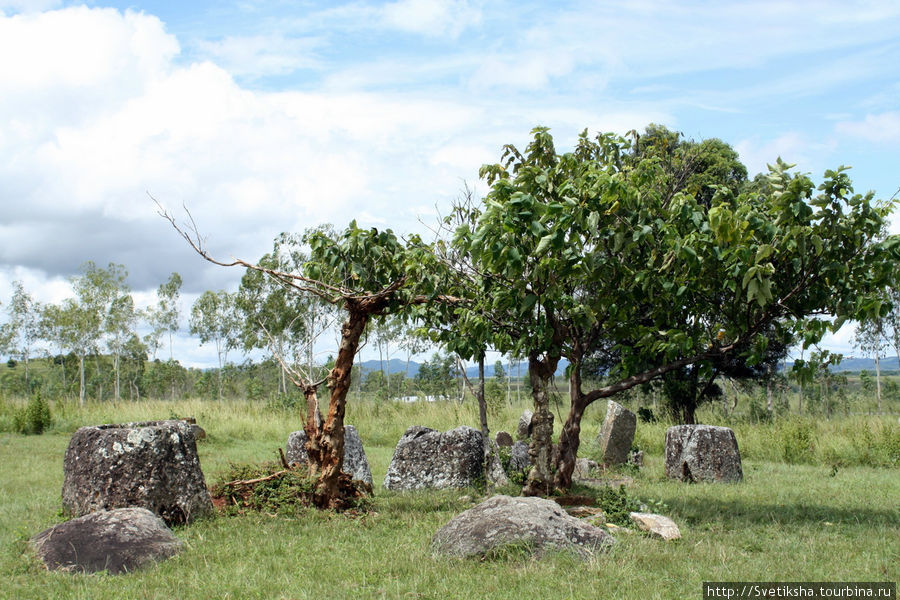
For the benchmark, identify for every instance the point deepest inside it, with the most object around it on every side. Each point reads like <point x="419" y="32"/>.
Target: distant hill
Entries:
<point x="396" y="365"/>
<point x="868" y="364"/>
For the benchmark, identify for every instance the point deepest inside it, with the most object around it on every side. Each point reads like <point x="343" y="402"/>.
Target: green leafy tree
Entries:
<point x="871" y="339"/>
<point x="214" y="319"/>
<point x="78" y="324"/>
<point x="365" y="273"/>
<point x="22" y="330"/>
<point x="165" y="317"/>
<point x="587" y="248"/>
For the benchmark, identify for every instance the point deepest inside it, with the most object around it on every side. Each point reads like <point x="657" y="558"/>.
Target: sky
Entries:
<point x="270" y="116"/>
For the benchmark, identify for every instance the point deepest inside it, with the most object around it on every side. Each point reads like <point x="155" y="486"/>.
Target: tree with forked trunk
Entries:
<point x="661" y="260"/>
<point x="365" y="273"/>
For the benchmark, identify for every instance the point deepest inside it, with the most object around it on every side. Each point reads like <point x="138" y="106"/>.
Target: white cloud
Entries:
<point x="882" y="128"/>
<point x="258" y="55"/>
<point x="431" y="17"/>
<point x="792" y="147"/>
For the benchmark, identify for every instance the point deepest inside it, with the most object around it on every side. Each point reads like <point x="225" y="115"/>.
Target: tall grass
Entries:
<point x="795" y="517"/>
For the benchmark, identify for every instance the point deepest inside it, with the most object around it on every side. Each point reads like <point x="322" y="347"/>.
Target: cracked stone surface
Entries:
<point x="616" y="434"/>
<point x="426" y="458"/>
<point x="702" y="453"/>
<point x="117" y="541"/>
<point x="152" y="465"/>
<point x="534" y="524"/>
<point x="355" y="462"/>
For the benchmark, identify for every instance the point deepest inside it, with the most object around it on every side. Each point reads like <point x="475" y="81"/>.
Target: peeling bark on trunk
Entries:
<point x="540" y="478"/>
<point x="331" y="435"/>
<point x="566" y="451"/>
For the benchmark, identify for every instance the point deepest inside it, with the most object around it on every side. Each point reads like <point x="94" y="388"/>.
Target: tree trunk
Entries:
<point x="81" y="390"/>
<point x="540" y="478"/>
<point x="878" y="379"/>
<point x="116" y="364"/>
<point x="331" y="437"/>
<point x="482" y="414"/>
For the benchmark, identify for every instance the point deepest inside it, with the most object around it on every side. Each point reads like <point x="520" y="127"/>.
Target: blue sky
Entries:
<point x="271" y="116"/>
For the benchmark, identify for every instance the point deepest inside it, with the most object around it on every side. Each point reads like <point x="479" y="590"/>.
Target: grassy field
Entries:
<point x="819" y="503"/>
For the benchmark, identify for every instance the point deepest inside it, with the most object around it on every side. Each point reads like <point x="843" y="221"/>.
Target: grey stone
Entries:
<point x="585" y="468"/>
<point x="656" y="525"/>
<point x="504" y="439"/>
<point x="425" y="458"/>
<point x="534" y="524"/>
<point x="524" y="429"/>
<point x="636" y="458"/>
<point x="702" y="453"/>
<point x="153" y="465"/>
<point x="117" y="541"/>
<point x="355" y="462"/>
<point x="519" y="459"/>
<point x="616" y="434"/>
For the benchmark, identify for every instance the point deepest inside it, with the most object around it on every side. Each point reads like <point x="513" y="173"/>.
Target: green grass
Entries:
<point x="789" y="522"/>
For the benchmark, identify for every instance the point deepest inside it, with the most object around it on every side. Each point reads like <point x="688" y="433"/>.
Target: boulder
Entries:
<point x="504" y="439"/>
<point x="656" y="525"/>
<point x="355" y="462"/>
<point x="616" y="435"/>
<point x="532" y="524"/>
<point x="585" y="468"/>
<point x="524" y="430"/>
<point x="117" y="541"/>
<point x="153" y="465"/>
<point x="425" y="458"/>
<point x="702" y="453"/>
<point x="519" y="459"/>
<point x="636" y="458"/>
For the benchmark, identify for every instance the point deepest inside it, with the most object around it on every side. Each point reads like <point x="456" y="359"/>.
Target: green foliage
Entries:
<point x="287" y="493"/>
<point x="797" y="440"/>
<point x="516" y="476"/>
<point x="617" y="505"/>
<point x="35" y="418"/>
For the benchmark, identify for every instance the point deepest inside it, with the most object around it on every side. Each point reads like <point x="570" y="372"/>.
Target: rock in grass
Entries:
<point x="702" y="453"/>
<point x="617" y="434"/>
<point x="117" y="541"/>
<point x="517" y="524"/>
<point x="153" y="465"/>
<point x="656" y="525"/>
<point x="355" y="462"/>
<point x="425" y="458"/>
<point x="523" y="431"/>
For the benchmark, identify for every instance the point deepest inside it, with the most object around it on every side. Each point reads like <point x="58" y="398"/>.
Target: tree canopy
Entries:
<point x="616" y="247"/>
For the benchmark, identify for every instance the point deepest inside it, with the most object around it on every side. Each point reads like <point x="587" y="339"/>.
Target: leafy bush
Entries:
<point x="617" y="505"/>
<point x="35" y="418"/>
<point x="516" y="476"/>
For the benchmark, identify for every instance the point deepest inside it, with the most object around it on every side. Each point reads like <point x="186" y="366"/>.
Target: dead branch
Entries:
<point x="260" y="479"/>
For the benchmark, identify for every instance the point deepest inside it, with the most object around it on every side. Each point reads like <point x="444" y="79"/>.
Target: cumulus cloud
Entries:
<point x="248" y="164"/>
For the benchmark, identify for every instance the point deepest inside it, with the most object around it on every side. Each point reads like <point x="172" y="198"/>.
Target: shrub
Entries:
<point x="35" y="418"/>
<point x="797" y="440"/>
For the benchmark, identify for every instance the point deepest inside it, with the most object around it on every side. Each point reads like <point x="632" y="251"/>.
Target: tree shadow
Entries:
<point x="740" y="512"/>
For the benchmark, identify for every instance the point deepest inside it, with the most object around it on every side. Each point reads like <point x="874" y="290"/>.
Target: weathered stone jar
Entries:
<point x="152" y="465"/>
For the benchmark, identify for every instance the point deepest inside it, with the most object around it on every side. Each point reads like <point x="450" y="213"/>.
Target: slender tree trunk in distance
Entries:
<point x="81" y="374"/>
<point x="540" y="477"/>
<point x="878" y="379"/>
